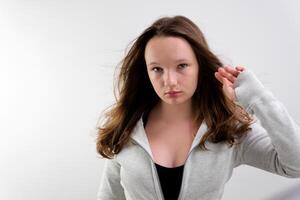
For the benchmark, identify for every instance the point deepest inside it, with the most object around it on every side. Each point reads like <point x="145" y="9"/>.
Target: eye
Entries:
<point x="183" y="65"/>
<point x="156" y="69"/>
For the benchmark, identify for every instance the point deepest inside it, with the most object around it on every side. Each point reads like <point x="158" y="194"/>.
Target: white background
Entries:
<point x="57" y="61"/>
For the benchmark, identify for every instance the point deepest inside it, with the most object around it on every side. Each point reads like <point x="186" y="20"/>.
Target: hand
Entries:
<point x="227" y="76"/>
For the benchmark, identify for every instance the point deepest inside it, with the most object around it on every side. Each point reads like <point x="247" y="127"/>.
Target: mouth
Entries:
<point x="172" y="92"/>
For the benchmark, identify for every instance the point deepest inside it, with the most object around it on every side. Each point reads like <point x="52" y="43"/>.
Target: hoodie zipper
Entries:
<point x="160" y="195"/>
<point x="180" y="196"/>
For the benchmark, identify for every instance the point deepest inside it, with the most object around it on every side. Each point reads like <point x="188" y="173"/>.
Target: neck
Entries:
<point x="174" y="113"/>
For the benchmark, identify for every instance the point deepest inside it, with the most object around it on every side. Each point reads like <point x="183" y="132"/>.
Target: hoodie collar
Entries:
<point x="139" y="135"/>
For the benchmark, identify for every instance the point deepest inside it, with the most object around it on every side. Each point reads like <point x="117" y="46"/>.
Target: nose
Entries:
<point x="170" y="79"/>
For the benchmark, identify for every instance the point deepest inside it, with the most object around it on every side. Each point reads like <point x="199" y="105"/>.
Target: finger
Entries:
<point x="226" y="82"/>
<point x="222" y="79"/>
<point x="240" y="68"/>
<point x="226" y="74"/>
<point x="231" y="70"/>
<point x="219" y="77"/>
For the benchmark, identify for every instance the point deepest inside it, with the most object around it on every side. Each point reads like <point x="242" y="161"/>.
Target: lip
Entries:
<point x="173" y="92"/>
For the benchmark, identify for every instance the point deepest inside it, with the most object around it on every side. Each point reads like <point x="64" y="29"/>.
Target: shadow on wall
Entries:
<point x="292" y="193"/>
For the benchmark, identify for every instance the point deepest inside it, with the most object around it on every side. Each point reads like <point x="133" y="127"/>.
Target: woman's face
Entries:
<point x="172" y="66"/>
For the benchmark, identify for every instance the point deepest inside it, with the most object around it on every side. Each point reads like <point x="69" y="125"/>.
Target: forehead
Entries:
<point x="168" y="50"/>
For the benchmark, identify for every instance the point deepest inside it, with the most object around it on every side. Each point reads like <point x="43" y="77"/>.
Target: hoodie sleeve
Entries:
<point x="110" y="187"/>
<point x="273" y="144"/>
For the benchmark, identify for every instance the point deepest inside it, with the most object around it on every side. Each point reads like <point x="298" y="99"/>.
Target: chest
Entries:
<point x="170" y="144"/>
<point x="207" y="170"/>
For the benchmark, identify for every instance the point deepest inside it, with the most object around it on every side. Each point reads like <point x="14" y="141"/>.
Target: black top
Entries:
<point x="170" y="180"/>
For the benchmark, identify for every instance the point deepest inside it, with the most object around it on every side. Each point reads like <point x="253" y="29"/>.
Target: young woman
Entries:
<point x="183" y="121"/>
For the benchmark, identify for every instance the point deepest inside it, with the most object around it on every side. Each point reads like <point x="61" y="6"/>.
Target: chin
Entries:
<point x="174" y="101"/>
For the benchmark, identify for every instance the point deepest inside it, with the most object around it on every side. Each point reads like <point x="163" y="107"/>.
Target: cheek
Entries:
<point x="155" y="82"/>
<point x="192" y="79"/>
<point x="156" y="85"/>
<point x="195" y="75"/>
<point x="195" y="79"/>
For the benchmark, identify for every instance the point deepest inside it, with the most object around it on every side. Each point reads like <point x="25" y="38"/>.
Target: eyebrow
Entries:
<point x="177" y="61"/>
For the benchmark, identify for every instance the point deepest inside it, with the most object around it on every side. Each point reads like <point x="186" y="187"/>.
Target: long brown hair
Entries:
<point x="226" y="120"/>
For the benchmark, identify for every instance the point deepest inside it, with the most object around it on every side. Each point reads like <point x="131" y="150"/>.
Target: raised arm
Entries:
<point x="274" y="143"/>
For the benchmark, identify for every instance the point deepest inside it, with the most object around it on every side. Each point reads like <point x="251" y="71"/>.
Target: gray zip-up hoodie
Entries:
<point x="273" y="145"/>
